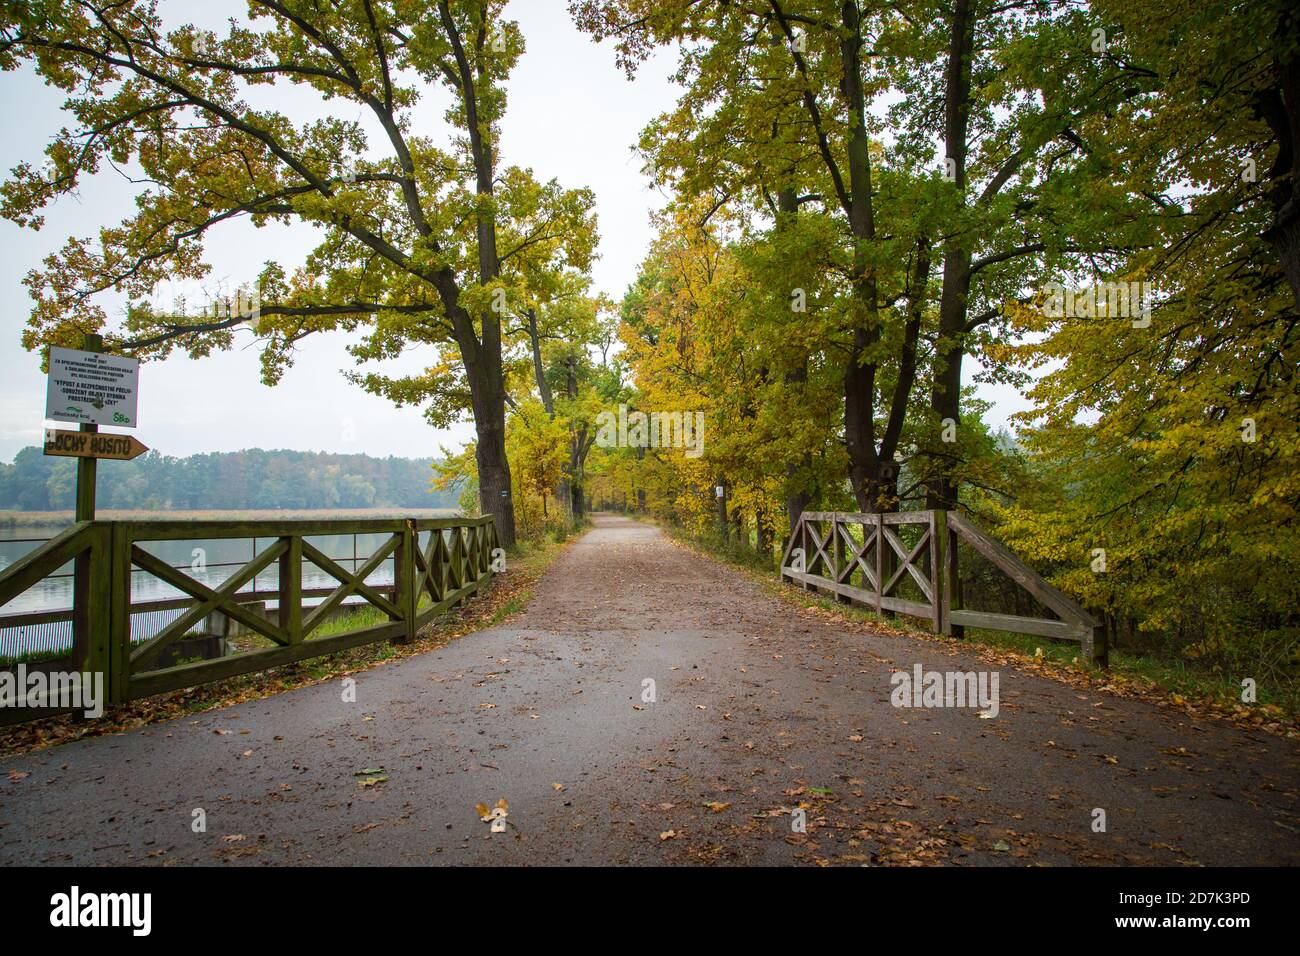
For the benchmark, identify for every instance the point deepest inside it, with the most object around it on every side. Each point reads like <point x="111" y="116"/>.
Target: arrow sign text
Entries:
<point x="92" y="445"/>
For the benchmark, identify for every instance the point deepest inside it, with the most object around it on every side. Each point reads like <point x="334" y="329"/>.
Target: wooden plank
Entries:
<point x="1042" y="627"/>
<point x="904" y="606"/>
<point x="907" y="517"/>
<point x="205" y="672"/>
<point x="865" y="517"/>
<point x="1021" y="573"/>
<point x="789" y="544"/>
<point x="861" y="596"/>
<point x="439" y="524"/>
<point x="172" y="530"/>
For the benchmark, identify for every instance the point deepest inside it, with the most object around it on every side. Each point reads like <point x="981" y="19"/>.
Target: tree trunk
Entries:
<point x="723" y="527"/>
<point x="797" y="497"/>
<point x="763" y="533"/>
<point x="487" y="394"/>
<point x="945" y="394"/>
<point x="1280" y="108"/>
<point x="865" y="464"/>
<point x="576" y="501"/>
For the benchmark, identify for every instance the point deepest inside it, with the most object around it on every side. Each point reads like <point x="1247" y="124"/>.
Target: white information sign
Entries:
<point x="92" y="388"/>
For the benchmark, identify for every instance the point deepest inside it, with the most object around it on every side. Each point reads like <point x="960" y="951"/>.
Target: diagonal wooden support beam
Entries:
<point x="330" y="567"/>
<point x="350" y="586"/>
<point x="869" y="537"/>
<point x="819" y="543"/>
<point x="211" y="600"/>
<point x="907" y="567"/>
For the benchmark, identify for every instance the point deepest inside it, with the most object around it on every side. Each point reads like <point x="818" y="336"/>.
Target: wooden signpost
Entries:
<point x="88" y="387"/>
<point x="93" y="445"/>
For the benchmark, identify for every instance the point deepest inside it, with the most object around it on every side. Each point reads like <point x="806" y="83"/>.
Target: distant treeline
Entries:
<point x="238" y="480"/>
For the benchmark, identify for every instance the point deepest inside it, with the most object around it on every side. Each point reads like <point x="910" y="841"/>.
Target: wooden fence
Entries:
<point x="453" y="562"/>
<point x="863" y="558"/>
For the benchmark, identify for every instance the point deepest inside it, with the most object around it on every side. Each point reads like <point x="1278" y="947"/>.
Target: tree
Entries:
<point x="780" y="92"/>
<point x="414" y="243"/>
<point x="1168" y="441"/>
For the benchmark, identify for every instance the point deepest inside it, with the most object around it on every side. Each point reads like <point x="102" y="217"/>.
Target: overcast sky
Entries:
<point x="572" y="115"/>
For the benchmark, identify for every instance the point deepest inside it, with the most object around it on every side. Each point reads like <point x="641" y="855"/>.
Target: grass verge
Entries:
<point x="507" y="596"/>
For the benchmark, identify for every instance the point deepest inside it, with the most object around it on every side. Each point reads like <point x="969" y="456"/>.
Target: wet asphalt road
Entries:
<point x="760" y="707"/>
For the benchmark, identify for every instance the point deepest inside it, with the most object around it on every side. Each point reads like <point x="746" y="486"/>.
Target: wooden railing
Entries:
<point x="863" y="558"/>
<point x="452" y="562"/>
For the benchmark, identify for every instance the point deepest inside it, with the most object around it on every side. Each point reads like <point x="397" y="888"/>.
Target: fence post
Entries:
<point x="803" y="543"/>
<point x="880" y="562"/>
<point x="290" y="588"/>
<point x="93" y="614"/>
<point x="120" y="613"/>
<point x="952" y="581"/>
<point x="404" y="594"/>
<point x="938" y="536"/>
<point x="1095" y="648"/>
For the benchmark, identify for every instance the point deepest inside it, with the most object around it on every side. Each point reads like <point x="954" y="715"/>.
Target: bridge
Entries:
<point x="650" y="705"/>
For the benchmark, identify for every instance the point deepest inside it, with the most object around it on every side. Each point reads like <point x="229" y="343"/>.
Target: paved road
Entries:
<point x="760" y="707"/>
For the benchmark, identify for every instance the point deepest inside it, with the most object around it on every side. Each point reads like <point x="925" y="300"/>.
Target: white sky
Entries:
<point x="572" y="115"/>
